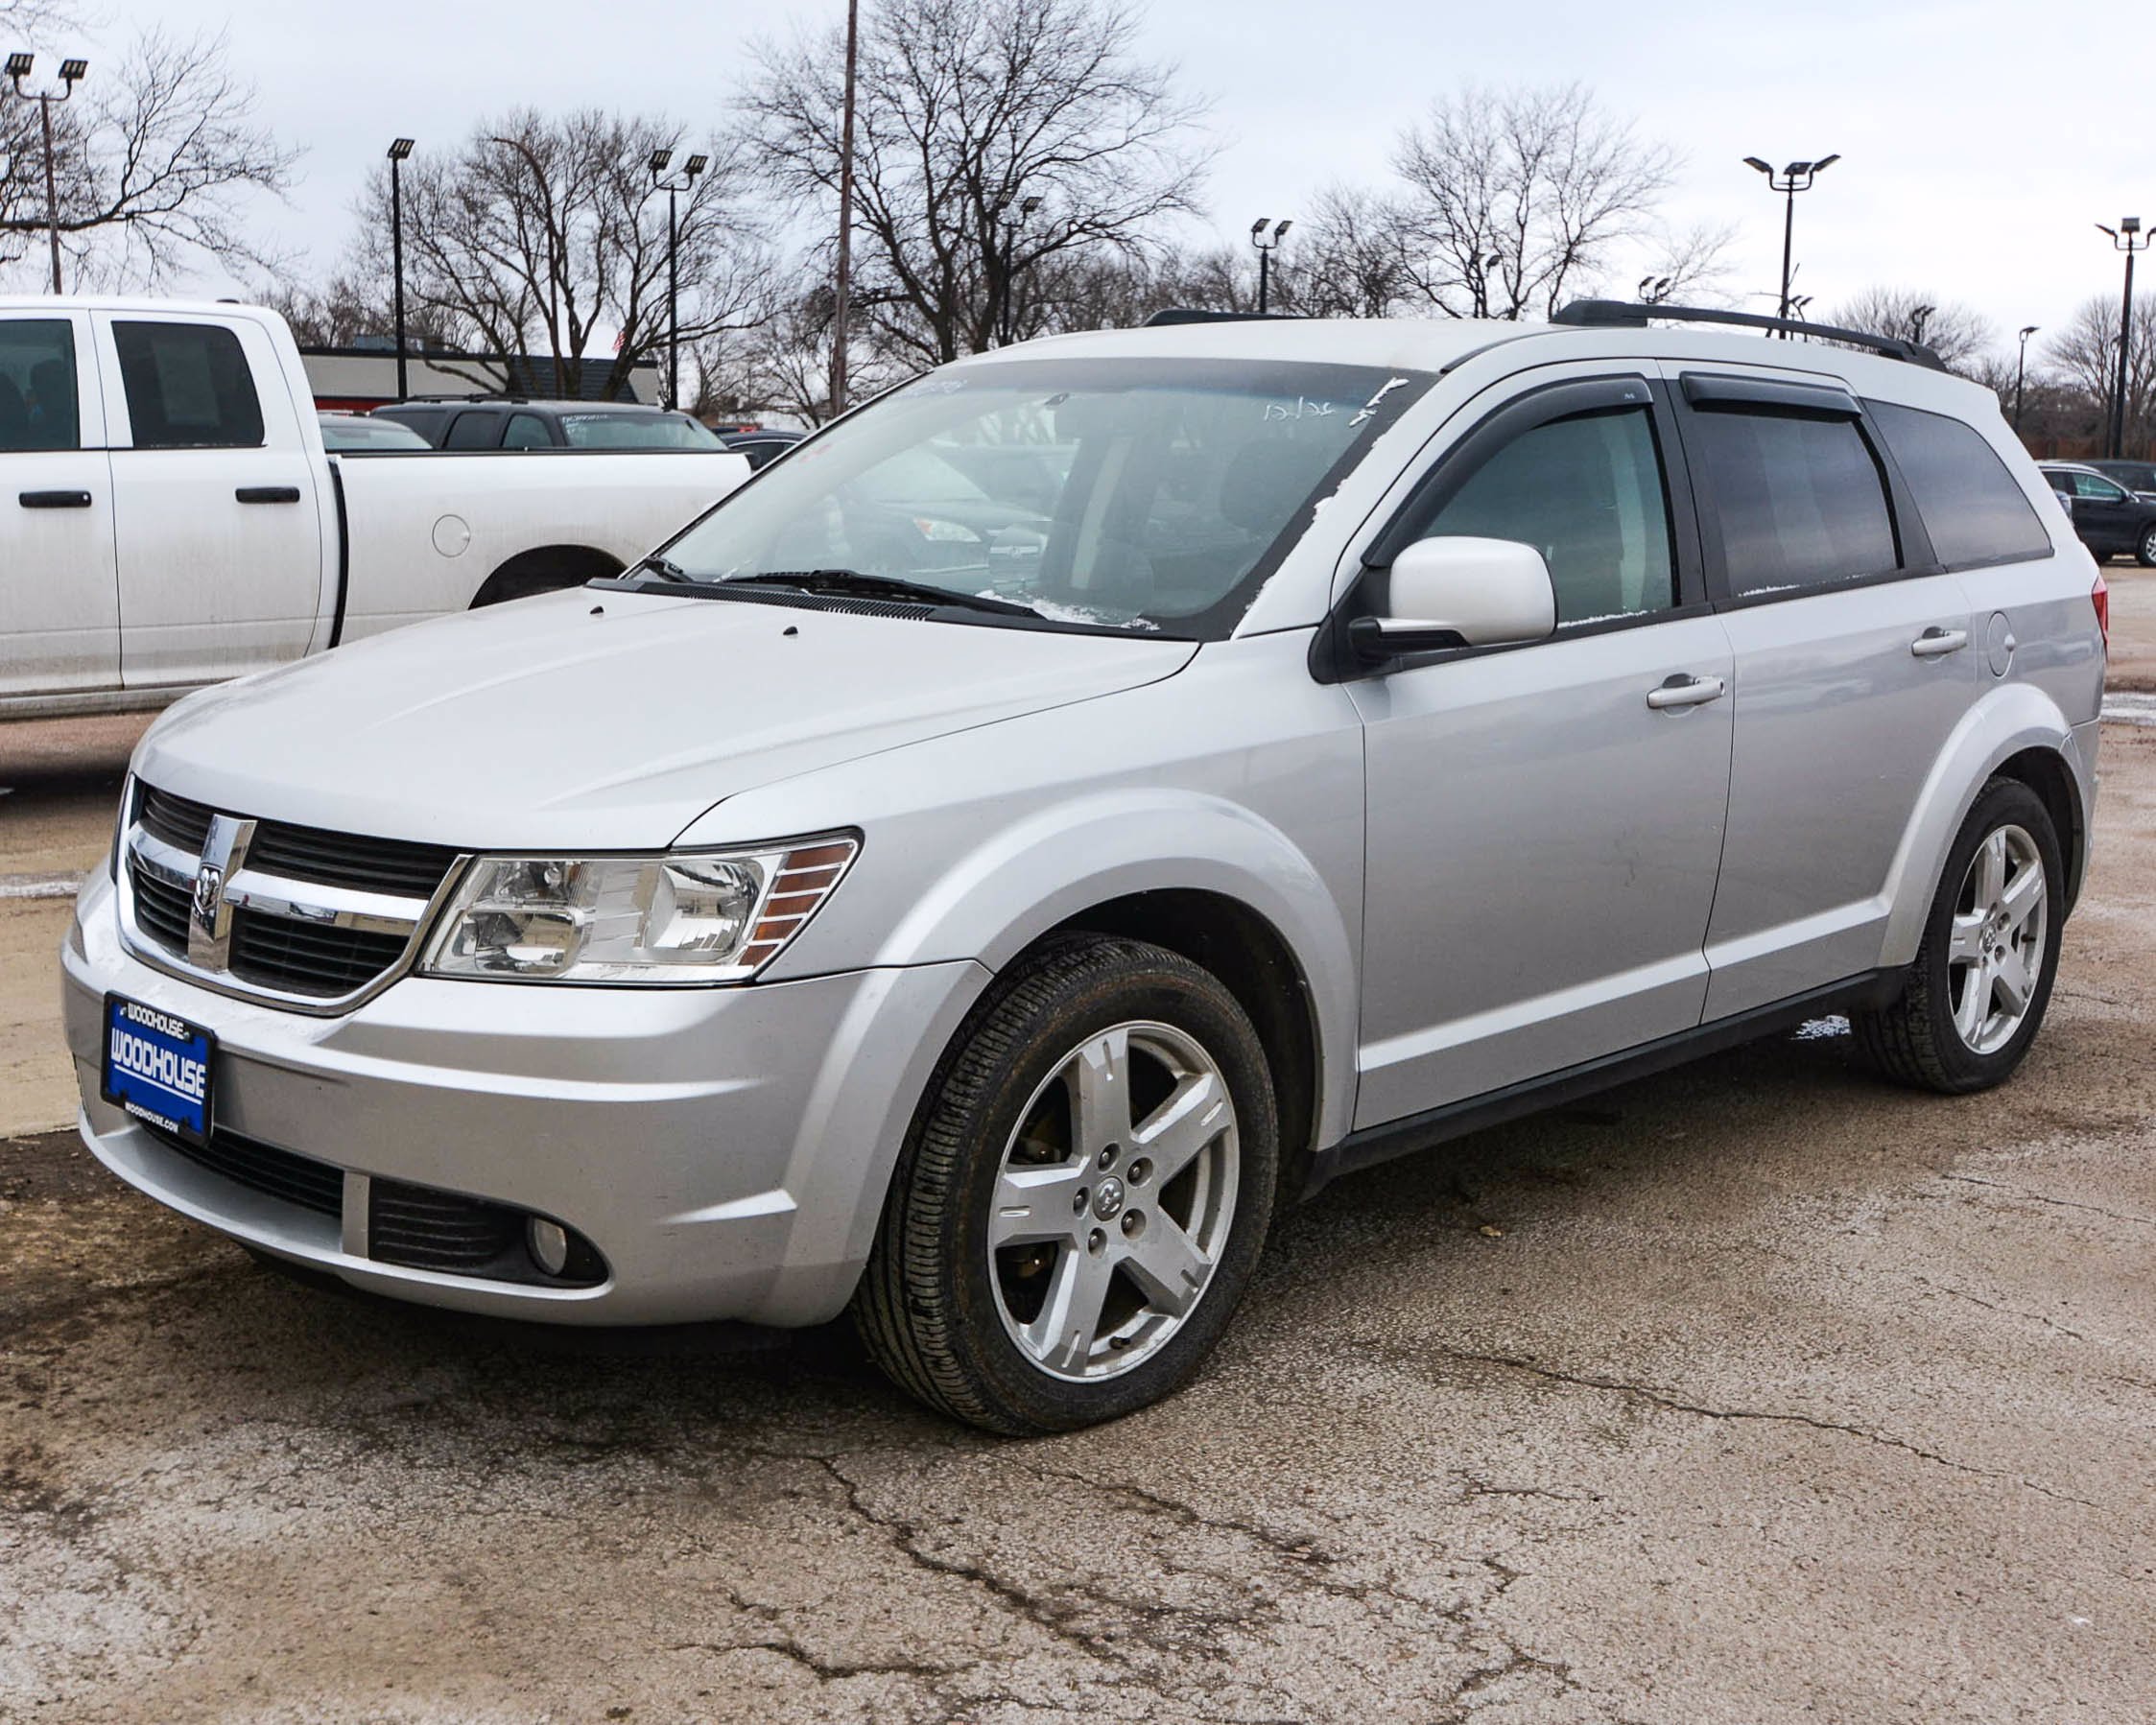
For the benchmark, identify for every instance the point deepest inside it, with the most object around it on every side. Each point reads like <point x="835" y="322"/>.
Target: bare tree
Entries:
<point x="1958" y="334"/>
<point x="1519" y="199"/>
<point x="2085" y="354"/>
<point x="546" y="234"/>
<point x="152" y="165"/>
<point x="993" y="138"/>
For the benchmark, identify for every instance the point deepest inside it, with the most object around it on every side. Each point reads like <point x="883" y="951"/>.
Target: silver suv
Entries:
<point x="1091" y="795"/>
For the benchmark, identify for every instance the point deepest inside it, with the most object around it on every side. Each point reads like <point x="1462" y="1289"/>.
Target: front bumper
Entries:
<point x="726" y="1149"/>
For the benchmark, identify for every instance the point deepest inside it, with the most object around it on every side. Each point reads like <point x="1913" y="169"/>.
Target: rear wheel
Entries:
<point x="2144" y="553"/>
<point x="1082" y="1203"/>
<point x="1983" y="977"/>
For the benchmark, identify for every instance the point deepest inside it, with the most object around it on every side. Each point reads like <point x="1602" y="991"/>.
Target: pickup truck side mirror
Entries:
<point x="1459" y="593"/>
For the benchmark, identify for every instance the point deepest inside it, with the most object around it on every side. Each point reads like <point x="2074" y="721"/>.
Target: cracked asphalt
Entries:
<point x="1755" y="1392"/>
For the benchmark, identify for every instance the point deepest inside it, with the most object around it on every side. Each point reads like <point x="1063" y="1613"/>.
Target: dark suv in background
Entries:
<point x="507" y="423"/>
<point x="2110" y="519"/>
<point x="2137" y="476"/>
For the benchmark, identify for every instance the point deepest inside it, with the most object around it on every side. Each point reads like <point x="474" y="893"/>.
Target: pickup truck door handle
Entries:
<point x="54" y="500"/>
<point x="1683" y="691"/>
<point x="268" y="494"/>
<point x="1936" y="643"/>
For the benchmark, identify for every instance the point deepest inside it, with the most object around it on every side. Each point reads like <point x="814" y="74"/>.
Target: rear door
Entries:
<point x="1545" y="820"/>
<point x="217" y="510"/>
<point x="59" y="598"/>
<point x="1853" y="662"/>
<point x="2104" y="514"/>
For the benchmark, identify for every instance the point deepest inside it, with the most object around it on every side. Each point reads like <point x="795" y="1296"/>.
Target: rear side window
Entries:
<point x="1798" y="497"/>
<point x="188" y="387"/>
<point x="1587" y="492"/>
<point x="38" y="408"/>
<point x="527" y="431"/>
<point x="1971" y="505"/>
<point x="475" y="431"/>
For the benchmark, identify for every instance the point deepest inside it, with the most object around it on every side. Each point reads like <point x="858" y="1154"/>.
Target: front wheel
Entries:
<point x="2144" y="553"/>
<point x="1083" y="1198"/>
<point x="1983" y="975"/>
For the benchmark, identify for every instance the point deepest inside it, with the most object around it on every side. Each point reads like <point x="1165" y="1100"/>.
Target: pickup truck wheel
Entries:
<point x="1983" y="977"/>
<point x="1084" y="1196"/>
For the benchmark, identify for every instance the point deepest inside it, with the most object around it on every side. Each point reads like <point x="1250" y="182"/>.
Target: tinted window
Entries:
<point x="1588" y="493"/>
<point x="637" y="431"/>
<point x="2090" y="484"/>
<point x="426" y="421"/>
<point x="38" y="408"/>
<point x="1799" y="500"/>
<point x="527" y="431"/>
<point x="188" y="387"/>
<point x="474" y="431"/>
<point x="1971" y="505"/>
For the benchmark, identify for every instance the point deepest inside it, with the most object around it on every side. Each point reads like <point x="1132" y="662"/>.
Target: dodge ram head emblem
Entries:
<point x="209" y="911"/>
<point x="209" y="896"/>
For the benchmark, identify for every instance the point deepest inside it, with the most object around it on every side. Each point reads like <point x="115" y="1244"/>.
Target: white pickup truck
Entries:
<point x="169" y="518"/>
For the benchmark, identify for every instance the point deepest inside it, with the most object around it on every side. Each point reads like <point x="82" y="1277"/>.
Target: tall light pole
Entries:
<point x="673" y="184"/>
<point x="1007" y="320"/>
<point x="2020" y="374"/>
<point x="71" y="73"/>
<point x="400" y="149"/>
<point x="2128" y="238"/>
<point x="1265" y="248"/>
<point x="842" y="278"/>
<point x="1796" y="177"/>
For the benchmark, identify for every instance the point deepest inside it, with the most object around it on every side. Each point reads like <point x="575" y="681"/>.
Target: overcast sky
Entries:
<point x="1977" y="149"/>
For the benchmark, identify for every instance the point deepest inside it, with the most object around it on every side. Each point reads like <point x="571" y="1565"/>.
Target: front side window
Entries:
<point x="2093" y="487"/>
<point x="1799" y="500"/>
<point x="1587" y="492"/>
<point x="527" y="431"/>
<point x="474" y="431"/>
<point x="187" y="386"/>
<point x="37" y="405"/>
<point x="1971" y="505"/>
<point x="1138" y="494"/>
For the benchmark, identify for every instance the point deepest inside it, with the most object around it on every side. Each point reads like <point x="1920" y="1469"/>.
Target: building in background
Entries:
<point x="364" y="375"/>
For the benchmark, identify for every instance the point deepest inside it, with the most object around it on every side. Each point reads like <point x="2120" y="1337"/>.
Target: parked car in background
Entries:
<point x="2111" y="520"/>
<point x="360" y="433"/>
<point x="762" y="446"/>
<point x="176" y="520"/>
<point x="2137" y="476"/>
<point x="1396" y="726"/>
<point x="512" y="423"/>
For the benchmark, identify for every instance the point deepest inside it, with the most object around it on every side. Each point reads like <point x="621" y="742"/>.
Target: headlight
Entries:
<point x="716" y="916"/>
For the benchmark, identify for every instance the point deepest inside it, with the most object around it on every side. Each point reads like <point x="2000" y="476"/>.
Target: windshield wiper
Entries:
<point x="666" y="568"/>
<point x="887" y="586"/>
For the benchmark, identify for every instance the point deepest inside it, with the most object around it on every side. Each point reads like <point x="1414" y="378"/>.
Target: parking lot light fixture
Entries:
<point x="2128" y="238"/>
<point x="2020" y="374"/>
<point x="1265" y="248"/>
<point x="400" y="151"/>
<point x="1796" y="177"/>
<point x="673" y="185"/>
<point x="72" y="72"/>
<point x="1919" y="317"/>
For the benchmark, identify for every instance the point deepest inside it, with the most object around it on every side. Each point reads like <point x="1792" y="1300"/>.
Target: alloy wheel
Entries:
<point x="1995" y="953"/>
<point x="1114" y="1200"/>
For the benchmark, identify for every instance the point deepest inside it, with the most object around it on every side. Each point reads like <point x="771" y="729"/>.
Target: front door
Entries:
<point x="216" y="501"/>
<point x="60" y="598"/>
<point x="1546" y="821"/>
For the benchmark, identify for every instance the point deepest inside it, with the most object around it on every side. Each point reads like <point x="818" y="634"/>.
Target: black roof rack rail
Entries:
<point x="1617" y="314"/>
<point x="1184" y="314"/>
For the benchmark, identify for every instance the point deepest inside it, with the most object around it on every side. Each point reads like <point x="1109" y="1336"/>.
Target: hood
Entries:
<point x="606" y="720"/>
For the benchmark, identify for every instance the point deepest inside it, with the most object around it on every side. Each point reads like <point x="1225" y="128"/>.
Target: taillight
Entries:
<point x="2100" y="593"/>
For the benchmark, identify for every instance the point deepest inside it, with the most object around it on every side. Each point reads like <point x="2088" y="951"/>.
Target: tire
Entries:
<point x="2144" y="553"/>
<point x="1029" y="1086"/>
<point x="1921" y="1040"/>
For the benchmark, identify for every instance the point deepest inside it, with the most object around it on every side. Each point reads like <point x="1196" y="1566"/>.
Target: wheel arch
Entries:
<point x="2017" y="730"/>
<point x="545" y="569"/>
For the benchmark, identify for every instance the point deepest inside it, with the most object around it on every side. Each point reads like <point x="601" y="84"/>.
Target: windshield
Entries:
<point x="637" y="431"/>
<point x="370" y="434"/>
<point x="1142" y="494"/>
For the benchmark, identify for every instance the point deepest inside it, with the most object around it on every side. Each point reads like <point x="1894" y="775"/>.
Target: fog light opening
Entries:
<point x="548" y="1243"/>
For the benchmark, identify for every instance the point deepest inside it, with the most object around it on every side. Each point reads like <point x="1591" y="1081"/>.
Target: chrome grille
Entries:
<point x="309" y="918"/>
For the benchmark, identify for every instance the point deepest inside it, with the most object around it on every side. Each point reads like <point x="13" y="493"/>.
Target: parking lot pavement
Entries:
<point x="1754" y="1392"/>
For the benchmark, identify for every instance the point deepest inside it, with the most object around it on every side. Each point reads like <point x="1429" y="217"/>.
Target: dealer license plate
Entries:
<point x="157" y="1067"/>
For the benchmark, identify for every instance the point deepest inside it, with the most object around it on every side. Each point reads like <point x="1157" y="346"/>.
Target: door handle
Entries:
<point x="1683" y="691"/>
<point x="54" y="500"/>
<point x="1936" y="643"/>
<point x="268" y="494"/>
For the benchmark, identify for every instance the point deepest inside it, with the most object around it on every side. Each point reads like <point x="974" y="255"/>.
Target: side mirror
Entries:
<point x="1459" y="593"/>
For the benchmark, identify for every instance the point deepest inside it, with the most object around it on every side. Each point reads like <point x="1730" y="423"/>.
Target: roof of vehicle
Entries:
<point x="129" y="302"/>
<point x="507" y="402"/>
<point x="1442" y="344"/>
